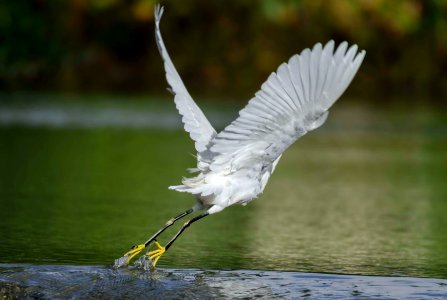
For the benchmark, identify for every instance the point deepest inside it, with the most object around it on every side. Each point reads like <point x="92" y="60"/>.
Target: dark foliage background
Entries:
<point x="221" y="48"/>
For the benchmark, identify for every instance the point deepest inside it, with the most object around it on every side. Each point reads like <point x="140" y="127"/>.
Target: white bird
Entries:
<point x="233" y="166"/>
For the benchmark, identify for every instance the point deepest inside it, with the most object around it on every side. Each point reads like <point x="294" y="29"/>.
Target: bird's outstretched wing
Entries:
<point x="292" y="101"/>
<point x="193" y="118"/>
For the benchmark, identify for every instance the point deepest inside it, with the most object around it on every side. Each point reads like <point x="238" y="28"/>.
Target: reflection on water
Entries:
<point x="92" y="115"/>
<point x="94" y="282"/>
<point x="366" y="194"/>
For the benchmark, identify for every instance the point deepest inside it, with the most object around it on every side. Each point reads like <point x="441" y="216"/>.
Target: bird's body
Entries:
<point x="234" y="166"/>
<point x="216" y="190"/>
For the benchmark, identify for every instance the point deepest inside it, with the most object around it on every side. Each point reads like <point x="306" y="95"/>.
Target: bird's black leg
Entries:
<point x="167" y="225"/>
<point x="186" y="225"/>
<point x="156" y="254"/>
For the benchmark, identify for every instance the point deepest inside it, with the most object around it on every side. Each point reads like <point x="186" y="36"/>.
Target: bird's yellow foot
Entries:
<point x="156" y="254"/>
<point x="134" y="251"/>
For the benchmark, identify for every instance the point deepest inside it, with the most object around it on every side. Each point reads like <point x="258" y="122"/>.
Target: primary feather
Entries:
<point x="235" y="165"/>
<point x="292" y="102"/>
<point x="193" y="119"/>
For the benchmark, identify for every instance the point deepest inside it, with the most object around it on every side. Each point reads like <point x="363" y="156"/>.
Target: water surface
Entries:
<point x="363" y="195"/>
<point x="96" y="282"/>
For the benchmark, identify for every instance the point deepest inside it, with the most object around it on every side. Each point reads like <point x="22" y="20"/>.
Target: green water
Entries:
<point x="366" y="194"/>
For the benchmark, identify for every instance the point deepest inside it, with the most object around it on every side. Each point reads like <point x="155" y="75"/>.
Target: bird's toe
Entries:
<point x="155" y="255"/>
<point x="134" y="251"/>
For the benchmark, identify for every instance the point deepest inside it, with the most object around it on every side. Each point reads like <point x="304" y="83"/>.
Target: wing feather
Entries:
<point x="193" y="118"/>
<point x="292" y="101"/>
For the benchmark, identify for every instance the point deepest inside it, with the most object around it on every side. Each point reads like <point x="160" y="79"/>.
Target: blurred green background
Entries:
<point x="221" y="48"/>
<point x="90" y="140"/>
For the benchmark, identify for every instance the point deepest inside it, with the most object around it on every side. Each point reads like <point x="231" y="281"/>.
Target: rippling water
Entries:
<point x="365" y="195"/>
<point x="93" y="282"/>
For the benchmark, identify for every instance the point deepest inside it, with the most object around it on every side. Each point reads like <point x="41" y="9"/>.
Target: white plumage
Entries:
<point x="234" y="165"/>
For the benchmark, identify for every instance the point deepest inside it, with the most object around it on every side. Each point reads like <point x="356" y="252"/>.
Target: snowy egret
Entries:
<point x="233" y="166"/>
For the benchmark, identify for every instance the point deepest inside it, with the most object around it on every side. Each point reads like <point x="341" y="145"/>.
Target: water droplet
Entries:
<point x="120" y="262"/>
<point x="144" y="262"/>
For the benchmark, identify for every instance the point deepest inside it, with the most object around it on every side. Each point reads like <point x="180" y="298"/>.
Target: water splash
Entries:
<point x="143" y="263"/>
<point x="121" y="262"/>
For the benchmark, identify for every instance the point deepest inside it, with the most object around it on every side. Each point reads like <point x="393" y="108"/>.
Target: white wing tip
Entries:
<point x="317" y="47"/>
<point x="362" y="53"/>
<point x="344" y="44"/>
<point x="359" y="57"/>
<point x="158" y="12"/>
